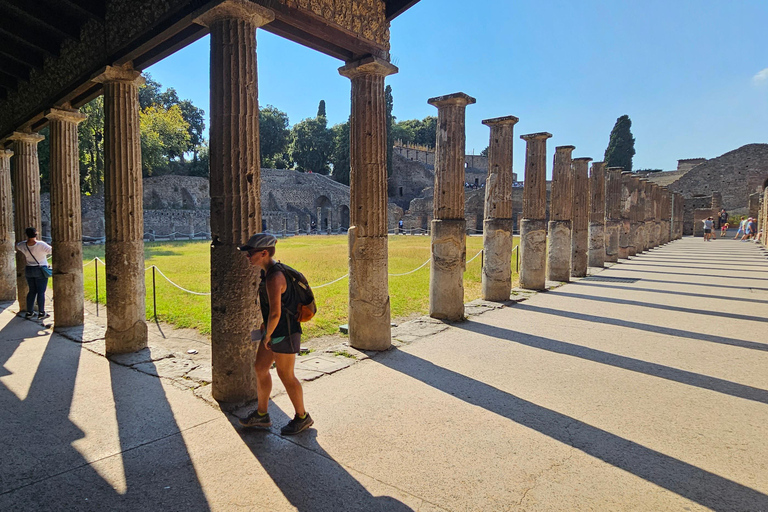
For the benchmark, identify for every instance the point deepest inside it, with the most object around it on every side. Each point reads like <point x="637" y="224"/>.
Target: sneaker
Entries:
<point x="29" y="314"/>
<point x="297" y="425"/>
<point x="256" y="420"/>
<point x="43" y="315"/>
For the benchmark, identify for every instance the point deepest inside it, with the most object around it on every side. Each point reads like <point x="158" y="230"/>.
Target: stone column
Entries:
<point x="597" y="215"/>
<point x="560" y="213"/>
<point x="369" y="307"/>
<point x="533" y="233"/>
<point x="497" y="224"/>
<point x="656" y="215"/>
<point x="26" y="199"/>
<point x="640" y="216"/>
<point x="235" y="177"/>
<point x="7" y="250"/>
<point x="580" y="237"/>
<point x="449" y="253"/>
<point x="123" y="211"/>
<point x="625" y="206"/>
<point x="632" y="184"/>
<point x="66" y="223"/>
<point x="612" y="213"/>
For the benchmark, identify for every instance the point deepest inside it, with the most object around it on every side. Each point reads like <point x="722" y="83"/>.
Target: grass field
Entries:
<point x="321" y="258"/>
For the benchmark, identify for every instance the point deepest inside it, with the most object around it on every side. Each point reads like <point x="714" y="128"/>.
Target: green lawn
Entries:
<point x="321" y="258"/>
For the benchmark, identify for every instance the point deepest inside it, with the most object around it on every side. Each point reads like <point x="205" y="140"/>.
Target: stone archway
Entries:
<point x="324" y="209"/>
<point x="344" y="217"/>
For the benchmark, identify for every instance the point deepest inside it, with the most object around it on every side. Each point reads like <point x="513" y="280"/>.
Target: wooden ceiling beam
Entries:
<point x="46" y="15"/>
<point x="395" y="8"/>
<point x="94" y="9"/>
<point x="9" y="82"/>
<point x="21" y="53"/>
<point x="16" y="28"/>
<point x="14" y="68"/>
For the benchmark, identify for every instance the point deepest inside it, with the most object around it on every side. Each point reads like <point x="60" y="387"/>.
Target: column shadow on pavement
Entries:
<point x="668" y="292"/>
<point x="707" y="285"/>
<point x="627" y="268"/>
<point x="691" y="482"/>
<point x="309" y="478"/>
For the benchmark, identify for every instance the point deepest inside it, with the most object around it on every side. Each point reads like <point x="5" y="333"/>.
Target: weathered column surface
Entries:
<point x="580" y="236"/>
<point x="235" y="176"/>
<point x="66" y="224"/>
<point x="639" y="216"/>
<point x="648" y="215"/>
<point x="26" y="199"/>
<point x="560" y="213"/>
<point x="123" y="212"/>
<point x="369" y="307"/>
<point x="624" y="223"/>
<point x="497" y="224"/>
<point x="449" y="252"/>
<point x="612" y="213"/>
<point x="597" y="215"/>
<point x="533" y="228"/>
<point x="7" y="267"/>
<point x="656" y="209"/>
<point x="634" y="198"/>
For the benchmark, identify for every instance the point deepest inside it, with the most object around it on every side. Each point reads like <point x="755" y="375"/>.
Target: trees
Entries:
<point x="164" y="136"/>
<point x="415" y="132"/>
<point x="274" y="136"/>
<point x="621" y="147"/>
<point x="311" y="143"/>
<point x="340" y="155"/>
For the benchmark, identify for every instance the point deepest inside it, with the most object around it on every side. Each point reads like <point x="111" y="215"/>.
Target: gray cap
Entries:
<point x="259" y="241"/>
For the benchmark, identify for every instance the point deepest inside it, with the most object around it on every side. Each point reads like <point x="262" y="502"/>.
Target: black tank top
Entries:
<point x="287" y="324"/>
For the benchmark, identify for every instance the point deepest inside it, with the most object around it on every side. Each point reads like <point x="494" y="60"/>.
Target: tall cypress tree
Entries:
<point x="321" y="109"/>
<point x="621" y="147"/>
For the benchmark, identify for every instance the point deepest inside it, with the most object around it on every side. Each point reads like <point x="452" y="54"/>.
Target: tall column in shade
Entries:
<point x="580" y="223"/>
<point x="66" y="224"/>
<point x="533" y="227"/>
<point x="7" y="273"/>
<point x="612" y="213"/>
<point x="497" y="224"/>
<point x="649" y="225"/>
<point x="640" y="216"/>
<point x="633" y="200"/>
<point x="449" y="252"/>
<point x="235" y="176"/>
<point x="369" y="307"/>
<point x="625" y="206"/>
<point x="123" y="211"/>
<point x="26" y="199"/>
<point x="597" y="215"/>
<point x="560" y="213"/>
<point x="656" y="215"/>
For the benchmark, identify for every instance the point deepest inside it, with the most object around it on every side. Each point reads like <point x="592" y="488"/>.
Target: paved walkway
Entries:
<point x="644" y="387"/>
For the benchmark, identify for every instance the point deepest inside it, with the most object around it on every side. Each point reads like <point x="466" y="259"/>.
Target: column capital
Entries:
<point x="458" y="98"/>
<point x="584" y="159"/>
<point x="501" y="121"/>
<point x="536" y="136"/>
<point x="564" y="149"/>
<point x="368" y="66"/>
<point x="66" y="115"/>
<point x="6" y="153"/>
<point x="237" y="9"/>
<point x="620" y="169"/>
<point x="124" y="73"/>
<point x="26" y="137"/>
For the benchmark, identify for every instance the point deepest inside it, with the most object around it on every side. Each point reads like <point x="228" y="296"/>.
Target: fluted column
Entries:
<point x="560" y="213"/>
<point x="533" y="226"/>
<point x="649" y="224"/>
<point x="612" y="213"/>
<point x="597" y="215"/>
<point x="7" y="273"/>
<point x="449" y="252"/>
<point x="580" y="222"/>
<point x="123" y="211"/>
<point x="235" y="176"/>
<point x="639" y="238"/>
<point x="634" y="198"/>
<point x="369" y="306"/>
<point x="26" y="199"/>
<point x="655" y="215"/>
<point x="625" y="207"/>
<point x="497" y="224"/>
<point x="66" y="224"/>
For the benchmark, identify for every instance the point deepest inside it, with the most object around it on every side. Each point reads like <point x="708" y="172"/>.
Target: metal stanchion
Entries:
<point x="154" y="294"/>
<point x="96" y="266"/>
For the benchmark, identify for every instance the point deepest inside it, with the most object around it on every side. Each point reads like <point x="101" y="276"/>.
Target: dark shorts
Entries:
<point x="286" y="344"/>
<point x="707" y="231"/>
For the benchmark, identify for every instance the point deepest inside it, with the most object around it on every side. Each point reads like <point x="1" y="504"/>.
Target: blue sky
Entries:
<point x="692" y="75"/>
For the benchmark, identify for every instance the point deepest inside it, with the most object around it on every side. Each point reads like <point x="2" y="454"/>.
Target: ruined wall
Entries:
<point x="690" y="206"/>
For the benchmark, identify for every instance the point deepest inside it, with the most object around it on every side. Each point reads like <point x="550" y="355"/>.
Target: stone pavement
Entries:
<point x="643" y="387"/>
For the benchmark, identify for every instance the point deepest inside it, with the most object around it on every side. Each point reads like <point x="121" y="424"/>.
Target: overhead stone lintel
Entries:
<point x="237" y="9"/>
<point x="369" y="65"/>
<point x="457" y="98"/>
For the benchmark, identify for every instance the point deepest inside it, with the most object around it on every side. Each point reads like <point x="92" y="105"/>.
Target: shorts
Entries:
<point x="286" y="344"/>
<point x="707" y="231"/>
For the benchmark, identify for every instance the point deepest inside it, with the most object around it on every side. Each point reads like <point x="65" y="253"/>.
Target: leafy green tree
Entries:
<point x="484" y="152"/>
<point x="340" y="155"/>
<point x="621" y="147"/>
<point x="90" y="135"/>
<point x="413" y="131"/>
<point x="44" y="160"/>
<point x="274" y="136"/>
<point x="149" y="93"/>
<point x="164" y="136"/>
<point x="312" y="143"/>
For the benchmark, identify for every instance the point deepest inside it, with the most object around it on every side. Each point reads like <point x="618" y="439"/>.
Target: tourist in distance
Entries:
<point x="723" y="217"/>
<point x="708" y="223"/>
<point x="742" y="227"/>
<point x="724" y="229"/>
<point x="36" y="271"/>
<point x="279" y="337"/>
<point x="750" y="229"/>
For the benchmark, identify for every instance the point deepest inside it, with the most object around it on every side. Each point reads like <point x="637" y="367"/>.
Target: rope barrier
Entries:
<point x="412" y="271"/>
<point x="176" y="285"/>
<point x="475" y="256"/>
<point x="334" y="281"/>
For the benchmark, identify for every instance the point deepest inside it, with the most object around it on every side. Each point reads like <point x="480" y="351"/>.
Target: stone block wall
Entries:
<point x="690" y="206"/>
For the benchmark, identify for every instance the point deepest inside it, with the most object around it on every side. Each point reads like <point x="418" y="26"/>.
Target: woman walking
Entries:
<point x="37" y="272"/>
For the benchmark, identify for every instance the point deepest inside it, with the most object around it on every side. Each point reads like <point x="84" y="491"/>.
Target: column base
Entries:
<point x="559" y="250"/>
<point x="370" y="325"/>
<point x="533" y="254"/>
<point x="612" y="241"/>
<point x="124" y="342"/>
<point x="446" y="275"/>
<point x="497" y="257"/>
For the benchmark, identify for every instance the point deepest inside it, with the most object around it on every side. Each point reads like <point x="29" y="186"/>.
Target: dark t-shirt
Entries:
<point x="723" y="217"/>
<point x="287" y="323"/>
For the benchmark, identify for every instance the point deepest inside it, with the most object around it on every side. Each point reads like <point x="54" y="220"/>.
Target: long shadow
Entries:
<point x="679" y="309"/>
<point x="691" y="482"/>
<point x="669" y="292"/>
<point x="714" y="276"/>
<point x="661" y="371"/>
<point x="309" y="478"/>
<point x="708" y="285"/>
<point x="733" y="342"/>
<point x="698" y="266"/>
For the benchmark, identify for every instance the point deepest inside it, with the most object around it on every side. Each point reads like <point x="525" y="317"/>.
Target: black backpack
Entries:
<point x="306" y="307"/>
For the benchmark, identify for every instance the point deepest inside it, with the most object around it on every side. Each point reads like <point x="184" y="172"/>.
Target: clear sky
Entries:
<point x="691" y="74"/>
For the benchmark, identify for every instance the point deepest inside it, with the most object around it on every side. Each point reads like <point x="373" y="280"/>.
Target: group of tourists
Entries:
<point x="748" y="230"/>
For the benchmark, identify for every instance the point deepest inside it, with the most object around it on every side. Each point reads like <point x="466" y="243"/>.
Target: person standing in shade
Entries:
<point x="279" y="337"/>
<point x="708" y="223"/>
<point x="723" y="220"/>
<point x="36" y="272"/>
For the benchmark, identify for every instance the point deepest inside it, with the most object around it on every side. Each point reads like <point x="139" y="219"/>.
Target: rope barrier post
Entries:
<point x="482" y="255"/>
<point x="517" y="259"/>
<point x="154" y="294"/>
<point x="96" y="266"/>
